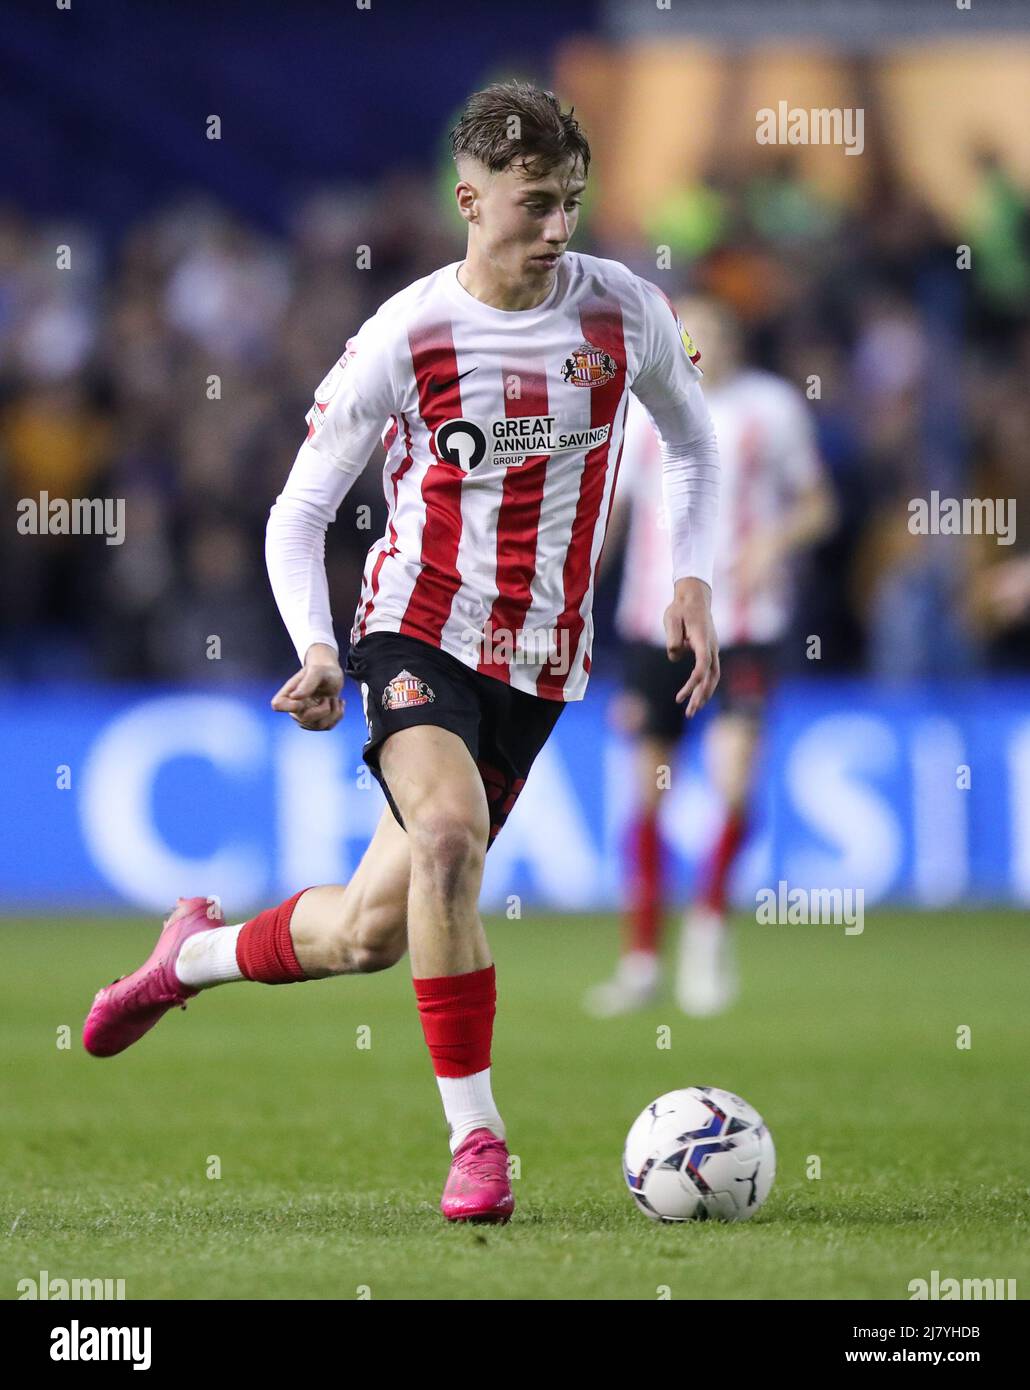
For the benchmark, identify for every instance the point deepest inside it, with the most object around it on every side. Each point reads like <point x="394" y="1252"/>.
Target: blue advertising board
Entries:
<point x="122" y="798"/>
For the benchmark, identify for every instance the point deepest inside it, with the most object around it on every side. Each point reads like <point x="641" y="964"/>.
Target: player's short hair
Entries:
<point x="540" y="134"/>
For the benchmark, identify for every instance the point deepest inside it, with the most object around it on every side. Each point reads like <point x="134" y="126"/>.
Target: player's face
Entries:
<point x="525" y="224"/>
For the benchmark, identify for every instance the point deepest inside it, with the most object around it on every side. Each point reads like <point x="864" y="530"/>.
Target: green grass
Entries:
<point x="333" y="1157"/>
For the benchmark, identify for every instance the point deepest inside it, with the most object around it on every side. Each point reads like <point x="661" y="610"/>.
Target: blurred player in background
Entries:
<point x="774" y="502"/>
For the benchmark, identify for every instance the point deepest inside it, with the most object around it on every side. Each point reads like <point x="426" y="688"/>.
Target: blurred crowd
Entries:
<point x="174" y="370"/>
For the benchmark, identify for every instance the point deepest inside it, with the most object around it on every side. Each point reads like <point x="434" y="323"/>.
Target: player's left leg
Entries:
<point x="455" y="791"/>
<point x="451" y="748"/>
<point x="438" y="792"/>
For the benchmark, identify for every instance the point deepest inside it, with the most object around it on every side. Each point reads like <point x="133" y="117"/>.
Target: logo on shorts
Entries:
<point x="406" y="691"/>
<point x="588" y="366"/>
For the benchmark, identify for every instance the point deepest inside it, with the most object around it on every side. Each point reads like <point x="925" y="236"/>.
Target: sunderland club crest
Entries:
<point x="588" y="366"/>
<point x="406" y="691"/>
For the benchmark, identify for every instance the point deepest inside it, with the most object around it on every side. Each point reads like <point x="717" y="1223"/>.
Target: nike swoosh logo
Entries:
<point x="435" y="386"/>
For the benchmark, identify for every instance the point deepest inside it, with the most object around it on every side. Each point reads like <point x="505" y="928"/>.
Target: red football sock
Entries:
<point x="457" y="1013"/>
<point x="717" y="871"/>
<point x="644" y="919"/>
<point x="264" y="947"/>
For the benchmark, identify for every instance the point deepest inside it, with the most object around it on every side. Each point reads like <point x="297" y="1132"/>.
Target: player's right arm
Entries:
<point x="352" y="405"/>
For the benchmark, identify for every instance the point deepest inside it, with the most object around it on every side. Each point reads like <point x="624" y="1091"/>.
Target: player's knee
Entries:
<point x="448" y="849"/>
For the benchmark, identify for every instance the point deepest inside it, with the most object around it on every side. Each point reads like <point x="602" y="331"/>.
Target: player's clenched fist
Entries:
<point x="312" y="696"/>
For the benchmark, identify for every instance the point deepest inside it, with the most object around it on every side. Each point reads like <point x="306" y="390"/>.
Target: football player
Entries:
<point x="499" y="385"/>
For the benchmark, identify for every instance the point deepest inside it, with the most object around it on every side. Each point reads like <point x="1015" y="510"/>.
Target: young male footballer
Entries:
<point x="499" y="387"/>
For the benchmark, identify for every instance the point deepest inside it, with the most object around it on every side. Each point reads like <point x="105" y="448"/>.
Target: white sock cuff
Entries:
<point x="209" y="958"/>
<point x="468" y="1103"/>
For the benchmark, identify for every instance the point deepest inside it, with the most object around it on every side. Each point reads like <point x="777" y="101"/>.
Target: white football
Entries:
<point x="699" y="1153"/>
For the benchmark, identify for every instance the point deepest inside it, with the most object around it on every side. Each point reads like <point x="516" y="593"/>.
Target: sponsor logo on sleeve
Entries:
<point x="324" y="393"/>
<point x="689" y="346"/>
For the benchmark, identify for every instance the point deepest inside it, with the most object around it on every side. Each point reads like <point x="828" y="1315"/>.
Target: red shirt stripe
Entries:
<point x="398" y="474"/>
<point x="435" y="363"/>
<point x="518" y="519"/>
<point x="602" y="326"/>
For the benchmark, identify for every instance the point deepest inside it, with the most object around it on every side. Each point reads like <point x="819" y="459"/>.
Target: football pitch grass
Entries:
<point x="317" y="1105"/>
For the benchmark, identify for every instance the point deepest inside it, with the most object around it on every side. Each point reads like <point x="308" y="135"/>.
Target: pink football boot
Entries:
<point x="123" y="1011"/>
<point x="478" y="1187"/>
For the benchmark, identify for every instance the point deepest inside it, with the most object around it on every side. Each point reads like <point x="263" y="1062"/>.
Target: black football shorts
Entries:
<point x="406" y="681"/>
<point x="748" y="673"/>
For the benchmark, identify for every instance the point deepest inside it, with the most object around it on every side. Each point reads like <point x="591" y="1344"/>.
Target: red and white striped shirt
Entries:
<point x="503" y="431"/>
<point x="768" y="456"/>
